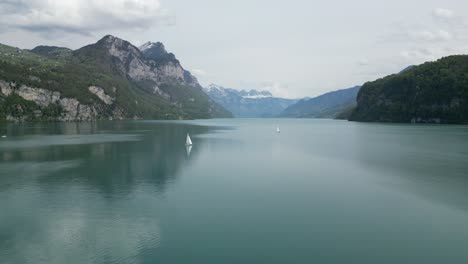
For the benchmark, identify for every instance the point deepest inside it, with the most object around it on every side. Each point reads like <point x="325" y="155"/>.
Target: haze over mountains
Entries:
<point x="253" y="103"/>
<point x="434" y="92"/>
<point x="248" y="103"/>
<point x="328" y="105"/>
<point x="111" y="79"/>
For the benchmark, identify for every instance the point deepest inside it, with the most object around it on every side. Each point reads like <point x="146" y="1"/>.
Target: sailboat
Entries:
<point x="188" y="141"/>
<point x="278" y="129"/>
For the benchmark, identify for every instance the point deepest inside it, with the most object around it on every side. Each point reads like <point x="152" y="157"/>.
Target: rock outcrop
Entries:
<point x="42" y="97"/>
<point x="72" y="109"/>
<point x="99" y="92"/>
<point x="5" y="88"/>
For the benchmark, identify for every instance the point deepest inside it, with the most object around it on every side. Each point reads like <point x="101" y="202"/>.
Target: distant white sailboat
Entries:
<point x="4" y="136"/>
<point x="278" y="129"/>
<point x="188" y="141"/>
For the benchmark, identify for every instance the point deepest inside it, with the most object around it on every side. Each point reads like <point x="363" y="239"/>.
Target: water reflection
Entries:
<point x="188" y="150"/>
<point x="87" y="192"/>
<point x="137" y="152"/>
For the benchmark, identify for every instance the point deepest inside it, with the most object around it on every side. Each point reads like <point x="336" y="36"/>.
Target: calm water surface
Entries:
<point x="321" y="191"/>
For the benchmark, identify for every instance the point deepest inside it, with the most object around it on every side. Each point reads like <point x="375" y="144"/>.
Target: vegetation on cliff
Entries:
<point x="434" y="92"/>
<point x="72" y="72"/>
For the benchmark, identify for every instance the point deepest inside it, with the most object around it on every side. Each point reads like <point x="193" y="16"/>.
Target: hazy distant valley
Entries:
<point x="252" y="103"/>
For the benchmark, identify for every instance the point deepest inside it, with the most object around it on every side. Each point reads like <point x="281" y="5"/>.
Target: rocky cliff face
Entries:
<point x="111" y="79"/>
<point x="71" y="108"/>
<point x="166" y="64"/>
<point x="150" y="62"/>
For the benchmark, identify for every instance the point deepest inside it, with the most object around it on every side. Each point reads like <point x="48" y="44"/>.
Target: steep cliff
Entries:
<point x="111" y="79"/>
<point x="434" y="92"/>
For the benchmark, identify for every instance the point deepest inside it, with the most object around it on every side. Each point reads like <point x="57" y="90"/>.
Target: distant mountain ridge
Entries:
<point x="52" y="52"/>
<point x="328" y="105"/>
<point x="110" y="79"/>
<point x="248" y="103"/>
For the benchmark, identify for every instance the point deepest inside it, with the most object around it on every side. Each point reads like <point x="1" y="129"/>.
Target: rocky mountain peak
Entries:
<point x="213" y="87"/>
<point x="117" y="47"/>
<point x="151" y="63"/>
<point x="155" y="46"/>
<point x="157" y="52"/>
<point x="109" y="40"/>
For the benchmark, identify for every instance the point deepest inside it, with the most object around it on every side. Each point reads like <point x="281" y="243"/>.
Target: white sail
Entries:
<point x="188" y="142"/>
<point x="278" y="129"/>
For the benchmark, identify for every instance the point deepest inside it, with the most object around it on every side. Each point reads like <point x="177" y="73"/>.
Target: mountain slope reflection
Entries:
<point x="88" y="192"/>
<point x="149" y="153"/>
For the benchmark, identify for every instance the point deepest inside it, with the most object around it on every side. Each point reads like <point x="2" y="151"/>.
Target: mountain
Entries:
<point x="407" y="68"/>
<point x="328" y="105"/>
<point x="110" y="79"/>
<point x="250" y="103"/>
<point x="157" y="52"/>
<point x="52" y="52"/>
<point x="434" y="92"/>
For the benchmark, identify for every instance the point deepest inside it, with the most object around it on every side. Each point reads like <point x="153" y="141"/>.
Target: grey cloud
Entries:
<point x="55" y="29"/>
<point x="12" y="6"/>
<point x="442" y="13"/>
<point x="81" y="17"/>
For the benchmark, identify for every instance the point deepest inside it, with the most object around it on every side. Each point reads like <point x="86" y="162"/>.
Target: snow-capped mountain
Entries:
<point x="254" y="94"/>
<point x="248" y="103"/>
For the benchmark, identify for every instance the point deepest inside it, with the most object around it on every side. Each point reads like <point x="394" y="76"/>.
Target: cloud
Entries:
<point x="199" y="72"/>
<point x="442" y="13"/>
<point x="417" y="53"/>
<point x="277" y="89"/>
<point x="79" y="16"/>
<point x="422" y="54"/>
<point x="363" y="62"/>
<point x="426" y="40"/>
<point x="427" y="35"/>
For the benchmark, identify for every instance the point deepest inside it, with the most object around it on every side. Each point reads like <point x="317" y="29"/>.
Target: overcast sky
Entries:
<point x="293" y="48"/>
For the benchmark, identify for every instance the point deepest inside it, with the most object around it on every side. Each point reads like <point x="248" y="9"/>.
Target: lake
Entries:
<point x="321" y="191"/>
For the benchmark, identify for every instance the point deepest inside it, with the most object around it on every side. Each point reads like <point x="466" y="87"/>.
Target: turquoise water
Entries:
<point x="321" y="191"/>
